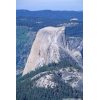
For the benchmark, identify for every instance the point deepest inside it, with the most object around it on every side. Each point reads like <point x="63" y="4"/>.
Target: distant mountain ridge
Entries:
<point x="50" y="14"/>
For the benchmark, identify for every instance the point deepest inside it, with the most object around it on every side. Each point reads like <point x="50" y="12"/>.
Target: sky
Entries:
<point x="76" y="5"/>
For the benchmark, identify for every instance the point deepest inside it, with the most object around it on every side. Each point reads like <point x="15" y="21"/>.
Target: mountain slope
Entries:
<point x="51" y="82"/>
<point x="50" y="46"/>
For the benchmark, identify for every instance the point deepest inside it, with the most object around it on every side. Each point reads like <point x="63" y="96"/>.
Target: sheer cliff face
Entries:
<point x="50" y="46"/>
<point x="45" y="48"/>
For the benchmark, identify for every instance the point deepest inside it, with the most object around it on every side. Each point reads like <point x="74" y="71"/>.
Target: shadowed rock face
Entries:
<point x="50" y="46"/>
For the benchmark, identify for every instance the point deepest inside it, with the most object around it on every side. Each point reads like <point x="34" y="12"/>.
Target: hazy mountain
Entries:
<point x="50" y="14"/>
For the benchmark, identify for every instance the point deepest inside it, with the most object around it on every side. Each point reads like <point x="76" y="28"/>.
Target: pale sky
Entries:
<point x="76" y="5"/>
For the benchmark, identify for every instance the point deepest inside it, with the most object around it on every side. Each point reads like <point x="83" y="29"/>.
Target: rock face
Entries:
<point x="50" y="46"/>
<point x="69" y="75"/>
<point x="46" y="81"/>
<point x="45" y="48"/>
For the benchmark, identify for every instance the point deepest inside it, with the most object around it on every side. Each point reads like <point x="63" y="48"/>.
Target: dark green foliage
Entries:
<point x="58" y="93"/>
<point x="26" y="91"/>
<point x="76" y="31"/>
<point x="24" y="40"/>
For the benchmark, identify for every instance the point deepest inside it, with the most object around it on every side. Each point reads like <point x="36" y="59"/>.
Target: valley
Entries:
<point x="49" y="55"/>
